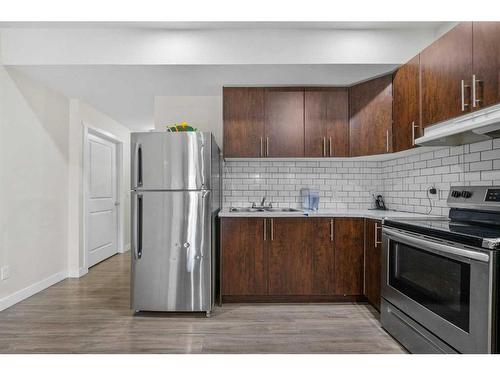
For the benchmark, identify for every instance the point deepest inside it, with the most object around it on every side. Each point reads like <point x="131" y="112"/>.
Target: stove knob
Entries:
<point x="466" y="194"/>
<point x="456" y="194"/>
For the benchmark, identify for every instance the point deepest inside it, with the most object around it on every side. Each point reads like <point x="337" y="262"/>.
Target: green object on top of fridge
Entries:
<point x="182" y="127"/>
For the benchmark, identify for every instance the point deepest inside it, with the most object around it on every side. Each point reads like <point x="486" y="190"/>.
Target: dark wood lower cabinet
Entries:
<point x="373" y="254"/>
<point x="292" y="259"/>
<point x="244" y="260"/>
<point x="300" y="257"/>
<point x="349" y="244"/>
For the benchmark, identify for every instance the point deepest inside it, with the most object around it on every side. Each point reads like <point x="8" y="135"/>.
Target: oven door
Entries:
<point x="446" y="288"/>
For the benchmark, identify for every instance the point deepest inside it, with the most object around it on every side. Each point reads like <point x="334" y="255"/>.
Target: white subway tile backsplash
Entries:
<point x="344" y="184"/>
<point x="481" y="146"/>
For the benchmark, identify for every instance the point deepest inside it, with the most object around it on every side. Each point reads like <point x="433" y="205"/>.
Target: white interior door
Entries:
<point x="101" y="205"/>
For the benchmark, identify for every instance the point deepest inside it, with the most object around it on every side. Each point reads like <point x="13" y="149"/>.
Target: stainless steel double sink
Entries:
<point x="263" y="209"/>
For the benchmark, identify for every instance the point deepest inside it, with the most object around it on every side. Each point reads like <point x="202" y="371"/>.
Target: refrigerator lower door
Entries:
<point x="171" y="251"/>
<point x="171" y="161"/>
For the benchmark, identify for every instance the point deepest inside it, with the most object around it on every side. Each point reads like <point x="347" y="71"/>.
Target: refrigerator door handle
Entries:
<point x="133" y="225"/>
<point x="202" y="148"/>
<point x="137" y="227"/>
<point x="138" y="165"/>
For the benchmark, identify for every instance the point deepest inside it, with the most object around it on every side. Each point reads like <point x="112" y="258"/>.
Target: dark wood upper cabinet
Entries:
<point x="244" y="258"/>
<point x="326" y="122"/>
<point x="373" y="253"/>
<point x="349" y="256"/>
<point x="370" y="119"/>
<point x="446" y="71"/>
<point x="337" y="116"/>
<point x="406" y="105"/>
<point x="243" y="117"/>
<point x="284" y="122"/>
<point x="315" y="123"/>
<point x="486" y="64"/>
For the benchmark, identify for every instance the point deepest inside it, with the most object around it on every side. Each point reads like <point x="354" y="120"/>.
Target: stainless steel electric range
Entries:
<point x="440" y="283"/>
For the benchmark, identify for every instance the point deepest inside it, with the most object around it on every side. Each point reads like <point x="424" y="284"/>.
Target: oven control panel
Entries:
<point x="492" y="195"/>
<point x="475" y="197"/>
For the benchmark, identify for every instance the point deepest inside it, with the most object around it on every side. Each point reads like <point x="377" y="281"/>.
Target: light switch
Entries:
<point x="5" y="272"/>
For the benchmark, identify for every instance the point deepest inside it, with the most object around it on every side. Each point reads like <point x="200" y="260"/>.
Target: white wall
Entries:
<point x="41" y="147"/>
<point x="34" y="185"/>
<point x="80" y="114"/>
<point x="203" y="112"/>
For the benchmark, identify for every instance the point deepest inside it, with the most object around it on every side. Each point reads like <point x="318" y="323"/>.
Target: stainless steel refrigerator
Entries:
<point x="176" y="196"/>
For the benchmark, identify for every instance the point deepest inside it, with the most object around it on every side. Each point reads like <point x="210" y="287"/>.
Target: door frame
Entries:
<point x="88" y="129"/>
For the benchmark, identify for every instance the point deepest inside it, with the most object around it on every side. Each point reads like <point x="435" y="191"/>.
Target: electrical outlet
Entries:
<point x="433" y="192"/>
<point x="5" y="272"/>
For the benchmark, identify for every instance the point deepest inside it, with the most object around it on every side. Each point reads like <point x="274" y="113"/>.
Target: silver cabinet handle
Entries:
<point x="377" y="242"/>
<point x="330" y="146"/>
<point x="261" y="146"/>
<point x="272" y="230"/>
<point x="265" y="234"/>
<point x="387" y="140"/>
<point x="324" y="146"/>
<point x="331" y="230"/>
<point x="475" y="100"/>
<point x="267" y="146"/>
<point x="462" y="95"/>
<point x="413" y="127"/>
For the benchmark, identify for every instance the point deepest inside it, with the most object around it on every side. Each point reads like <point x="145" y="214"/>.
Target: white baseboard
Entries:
<point x="127" y="247"/>
<point x="75" y="274"/>
<point x="27" y="292"/>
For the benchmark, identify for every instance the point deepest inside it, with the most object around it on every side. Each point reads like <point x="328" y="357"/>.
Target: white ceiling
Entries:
<point x="229" y="25"/>
<point x="126" y="93"/>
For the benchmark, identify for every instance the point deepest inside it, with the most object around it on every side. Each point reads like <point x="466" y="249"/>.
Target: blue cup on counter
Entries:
<point x="310" y="199"/>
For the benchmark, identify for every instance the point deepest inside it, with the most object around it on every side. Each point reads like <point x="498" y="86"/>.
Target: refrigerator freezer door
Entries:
<point x="170" y="161"/>
<point x="171" y="251"/>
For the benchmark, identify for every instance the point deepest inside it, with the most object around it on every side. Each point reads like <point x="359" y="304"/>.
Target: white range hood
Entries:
<point x="472" y="127"/>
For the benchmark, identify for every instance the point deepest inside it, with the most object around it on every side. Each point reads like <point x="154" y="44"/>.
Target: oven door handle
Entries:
<point x="437" y="246"/>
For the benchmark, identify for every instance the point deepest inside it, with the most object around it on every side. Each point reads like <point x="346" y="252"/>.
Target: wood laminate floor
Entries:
<point x="92" y="315"/>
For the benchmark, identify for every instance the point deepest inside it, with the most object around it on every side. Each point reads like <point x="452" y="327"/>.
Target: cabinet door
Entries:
<point x="444" y="65"/>
<point x="243" y="112"/>
<point x="284" y="122"/>
<point x="486" y="63"/>
<point x="349" y="249"/>
<point x="244" y="260"/>
<point x="290" y="259"/>
<point x="315" y="123"/>
<point x="320" y="238"/>
<point x="406" y="105"/>
<point x="373" y="251"/>
<point x="337" y="122"/>
<point x="370" y="120"/>
<point x="301" y="257"/>
<point x="326" y="122"/>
